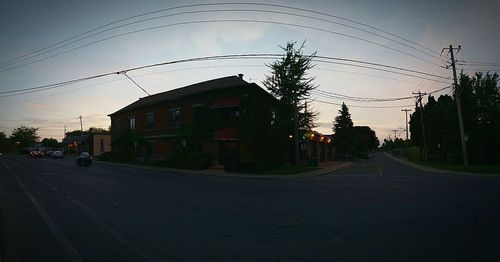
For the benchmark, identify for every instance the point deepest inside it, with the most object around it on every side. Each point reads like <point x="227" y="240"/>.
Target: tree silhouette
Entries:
<point x="291" y="84"/>
<point x="480" y="101"/>
<point x="26" y="136"/>
<point x="343" y="133"/>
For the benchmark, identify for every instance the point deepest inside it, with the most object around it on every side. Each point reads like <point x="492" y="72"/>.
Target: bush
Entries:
<point x="193" y="160"/>
<point x="414" y="154"/>
<point x="113" y="156"/>
<point x="239" y="167"/>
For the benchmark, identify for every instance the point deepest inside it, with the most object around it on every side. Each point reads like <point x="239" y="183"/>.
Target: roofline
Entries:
<point x="253" y="84"/>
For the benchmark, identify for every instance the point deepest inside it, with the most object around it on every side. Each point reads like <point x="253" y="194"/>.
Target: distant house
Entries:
<point x="95" y="144"/>
<point x="207" y="117"/>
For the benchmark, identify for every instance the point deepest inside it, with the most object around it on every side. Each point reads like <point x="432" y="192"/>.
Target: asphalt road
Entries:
<point x="375" y="210"/>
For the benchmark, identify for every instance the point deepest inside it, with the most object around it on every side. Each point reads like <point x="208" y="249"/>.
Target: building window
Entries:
<point x="150" y="120"/>
<point x="175" y="117"/>
<point x="197" y="114"/>
<point x="131" y="123"/>
<point x="116" y="124"/>
<point x="231" y="112"/>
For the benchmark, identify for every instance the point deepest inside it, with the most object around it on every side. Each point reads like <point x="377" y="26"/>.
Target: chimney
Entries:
<point x="240" y="76"/>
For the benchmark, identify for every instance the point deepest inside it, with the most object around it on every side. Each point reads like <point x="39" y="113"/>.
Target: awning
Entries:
<point x="226" y="102"/>
<point x="226" y="134"/>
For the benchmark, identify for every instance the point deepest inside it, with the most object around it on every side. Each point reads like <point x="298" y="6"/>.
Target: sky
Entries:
<point x="414" y="34"/>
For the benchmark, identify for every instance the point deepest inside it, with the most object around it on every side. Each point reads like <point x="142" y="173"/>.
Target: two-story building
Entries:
<point x="204" y="117"/>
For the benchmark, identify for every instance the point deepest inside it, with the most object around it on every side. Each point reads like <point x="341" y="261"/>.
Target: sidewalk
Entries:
<point x="324" y="169"/>
<point x="436" y="170"/>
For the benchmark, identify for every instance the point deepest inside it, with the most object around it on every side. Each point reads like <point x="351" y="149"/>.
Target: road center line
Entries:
<point x="380" y="170"/>
<point x="68" y="247"/>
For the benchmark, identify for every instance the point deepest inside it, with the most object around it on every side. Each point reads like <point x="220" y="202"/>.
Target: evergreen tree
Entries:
<point x="343" y="134"/>
<point x="290" y="83"/>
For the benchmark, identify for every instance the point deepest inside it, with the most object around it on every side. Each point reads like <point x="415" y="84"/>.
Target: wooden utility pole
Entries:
<point x="419" y="100"/>
<point x="81" y="124"/>
<point x="406" y="111"/>
<point x="395" y="134"/>
<point x="296" y="129"/>
<point x="459" y="107"/>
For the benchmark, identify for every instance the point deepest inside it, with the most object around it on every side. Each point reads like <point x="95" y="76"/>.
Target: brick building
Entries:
<point x="205" y="117"/>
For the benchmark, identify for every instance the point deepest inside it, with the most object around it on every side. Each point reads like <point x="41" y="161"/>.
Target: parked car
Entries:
<point x="36" y="154"/>
<point x="84" y="159"/>
<point x="49" y="153"/>
<point x="57" y="154"/>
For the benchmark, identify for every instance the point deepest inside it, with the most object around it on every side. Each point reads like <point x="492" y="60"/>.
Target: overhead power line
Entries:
<point x="6" y="68"/>
<point x="332" y="95"/>
<point x="86" y="33"/>
<point x="140" y="87"/>
<point x="476" y="63"/>
<point x="206" y="58"/>
<point x="357" y="106"/>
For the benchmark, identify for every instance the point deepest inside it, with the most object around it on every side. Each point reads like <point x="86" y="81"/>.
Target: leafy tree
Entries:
<point x="91" y="130"/>
<point x="3" y="142"/>
<point x="26" y="136"/>
<point x="390" y="144"/>
<point x="49" y="142"/>
<point x="99" y="131"/>
<point x="365" y="139"/>
<point x="76" y="133"/>
<point x="291" y="84"/>
<point x="480" y="102"/>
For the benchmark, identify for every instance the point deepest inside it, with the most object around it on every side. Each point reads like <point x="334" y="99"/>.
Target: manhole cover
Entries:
<point x="337" y="240"/>
<point x="225" y="233"/>
<point x="283" y="220"/>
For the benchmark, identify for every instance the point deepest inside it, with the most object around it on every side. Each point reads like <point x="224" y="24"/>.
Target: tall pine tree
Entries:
<point x="291" y="84"/>
<point x="343" y="133"/>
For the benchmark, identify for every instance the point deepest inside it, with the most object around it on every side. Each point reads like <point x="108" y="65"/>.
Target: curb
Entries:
<point x="320" y="172"/>
<point x="430" y="169"/>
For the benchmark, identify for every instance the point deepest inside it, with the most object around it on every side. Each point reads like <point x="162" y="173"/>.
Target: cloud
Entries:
<point x="216" y="38"/>
<point x="36" y="106"/>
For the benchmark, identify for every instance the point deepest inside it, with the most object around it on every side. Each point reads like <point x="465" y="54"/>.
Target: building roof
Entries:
<point x="210" y="85"/>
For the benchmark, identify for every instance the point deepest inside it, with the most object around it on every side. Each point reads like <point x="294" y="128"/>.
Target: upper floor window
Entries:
<point x="131" y="123"/>
<point x="197" y="113"/>
<point x="150" y="120"/>
<point x="175" y="117"/>
<point x="116" y="124"/>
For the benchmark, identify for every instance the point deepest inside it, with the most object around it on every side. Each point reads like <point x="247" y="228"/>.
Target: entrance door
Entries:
<point x="229" y="152"/>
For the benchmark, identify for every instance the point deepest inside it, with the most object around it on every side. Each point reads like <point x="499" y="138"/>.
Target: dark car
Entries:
<point x="84" y="159"/>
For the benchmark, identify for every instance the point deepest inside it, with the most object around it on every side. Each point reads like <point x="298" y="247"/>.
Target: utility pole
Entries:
<point x="459" y="107"/>
<point x="81" y="125"/>
<point x="419" y="100"/>
<point x="395" y="135"/>
<point x="296" y="131"/>
<point x="406" y="111"/>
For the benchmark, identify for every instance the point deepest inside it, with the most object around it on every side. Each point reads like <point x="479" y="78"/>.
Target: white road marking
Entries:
<point x="16" y="165"/>
<point x="123" y="239"/>
<point x="68" y="247"/>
